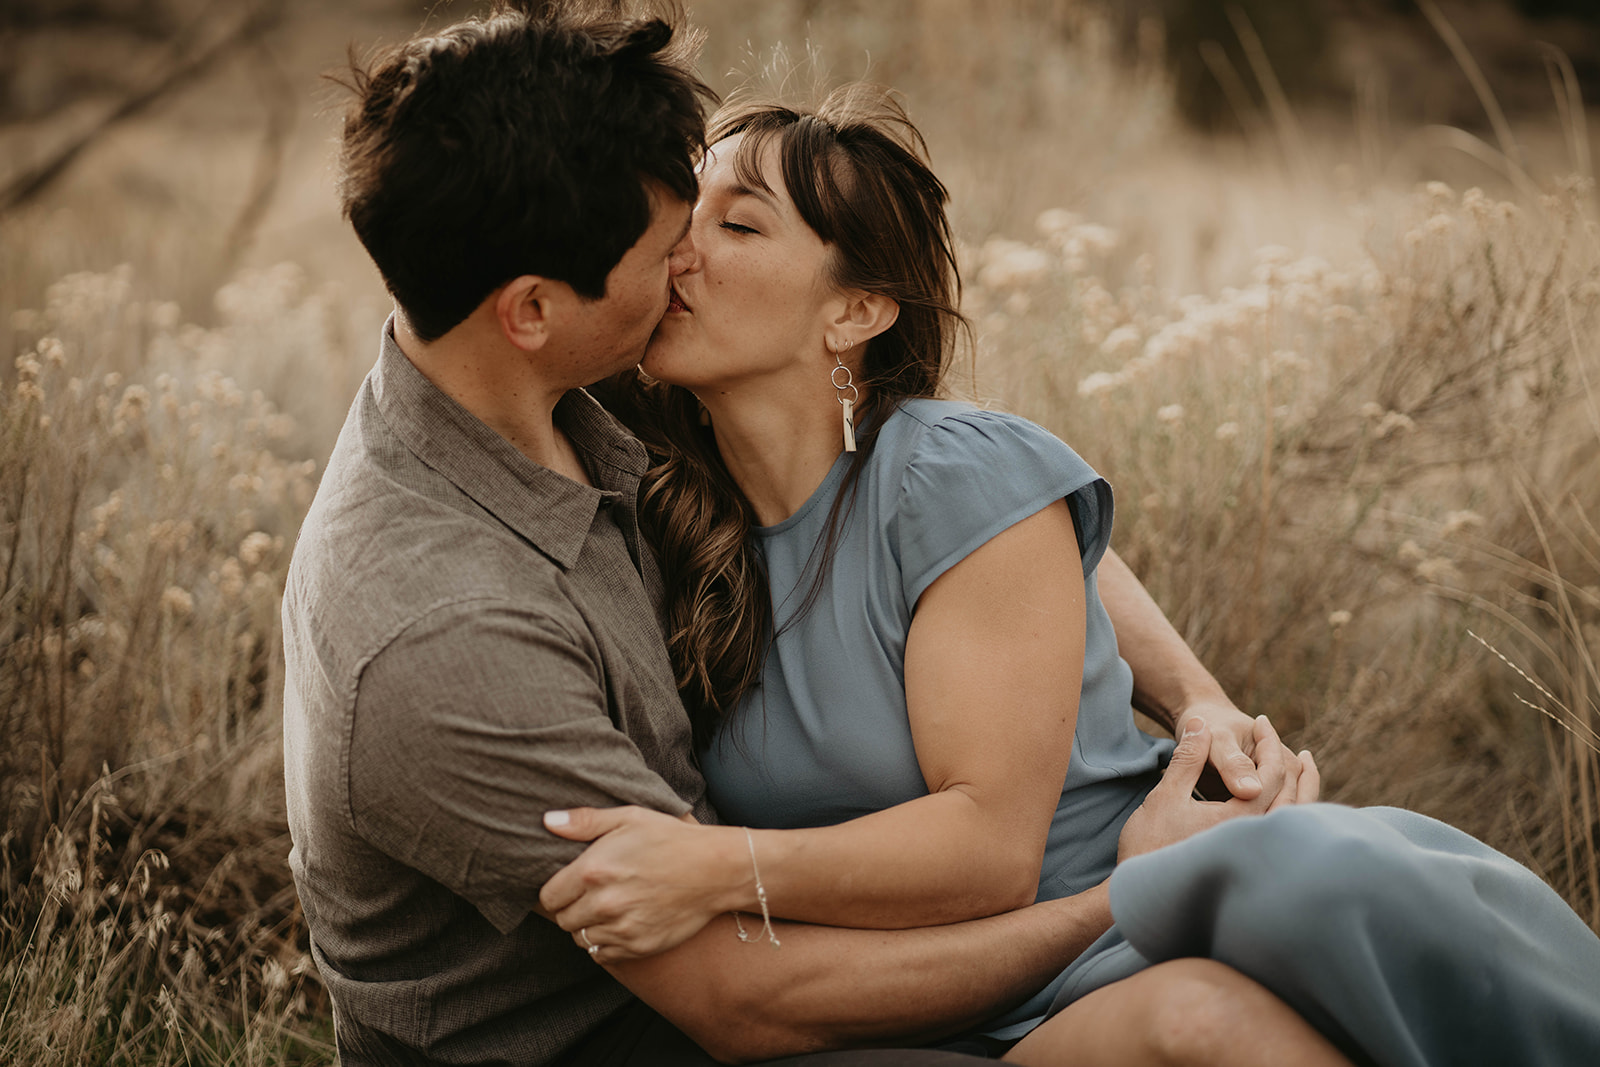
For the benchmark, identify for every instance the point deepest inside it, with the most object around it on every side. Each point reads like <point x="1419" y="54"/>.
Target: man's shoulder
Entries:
<point x="388" y="540"/>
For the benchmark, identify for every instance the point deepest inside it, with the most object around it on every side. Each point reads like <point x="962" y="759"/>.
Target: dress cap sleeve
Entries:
<point x="975" y="473"/>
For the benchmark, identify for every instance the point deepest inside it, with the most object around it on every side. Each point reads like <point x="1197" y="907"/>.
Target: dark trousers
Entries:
<point x="639" y="1037"/>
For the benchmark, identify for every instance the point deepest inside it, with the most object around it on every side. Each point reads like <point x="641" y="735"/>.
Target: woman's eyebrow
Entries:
<point x="761" y="195"/>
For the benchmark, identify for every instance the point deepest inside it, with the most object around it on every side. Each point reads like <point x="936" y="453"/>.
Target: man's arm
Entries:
<point x="828" y="987"/>
<point x="1170" y="684"/>
<point x="478" y="718"/>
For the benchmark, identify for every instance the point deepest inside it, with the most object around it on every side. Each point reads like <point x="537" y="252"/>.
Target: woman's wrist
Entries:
<point x="735" y="873"/>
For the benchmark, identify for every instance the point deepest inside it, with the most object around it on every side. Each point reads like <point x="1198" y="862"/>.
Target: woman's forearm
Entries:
<point x="937" y="859"/>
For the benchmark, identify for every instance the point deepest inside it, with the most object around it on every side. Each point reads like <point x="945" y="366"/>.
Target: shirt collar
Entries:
<point x="550" y="510"/>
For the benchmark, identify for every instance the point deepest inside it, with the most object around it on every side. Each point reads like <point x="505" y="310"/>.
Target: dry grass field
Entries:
<point x="1344" y="374"/>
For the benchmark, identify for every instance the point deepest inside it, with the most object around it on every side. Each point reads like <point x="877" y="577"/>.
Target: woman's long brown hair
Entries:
<point x="857" y="171"/>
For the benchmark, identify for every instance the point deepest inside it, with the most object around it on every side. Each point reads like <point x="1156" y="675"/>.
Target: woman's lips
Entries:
<point x="676" y="303"/>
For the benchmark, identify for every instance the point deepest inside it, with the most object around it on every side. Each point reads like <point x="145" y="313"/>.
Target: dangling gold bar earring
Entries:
<point x="846" y="402"/>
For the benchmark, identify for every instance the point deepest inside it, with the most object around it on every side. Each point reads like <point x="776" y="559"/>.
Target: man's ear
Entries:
<point x="522" y="307"/>
<point x="865" y="316"/>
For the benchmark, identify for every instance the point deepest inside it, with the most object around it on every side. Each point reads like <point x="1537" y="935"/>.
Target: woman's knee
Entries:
<point x="1198" y="1011"/>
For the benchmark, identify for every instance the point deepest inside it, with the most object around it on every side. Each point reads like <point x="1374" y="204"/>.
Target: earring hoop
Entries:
<point x="848" y="403"/>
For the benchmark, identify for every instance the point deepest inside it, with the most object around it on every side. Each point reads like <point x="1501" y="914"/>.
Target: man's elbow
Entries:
<point x="737" y="1031"/>
<point x="733" y="1018"/>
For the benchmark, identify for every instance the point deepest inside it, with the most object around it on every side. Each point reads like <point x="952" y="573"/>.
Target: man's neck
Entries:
<point x="501" y="385"/>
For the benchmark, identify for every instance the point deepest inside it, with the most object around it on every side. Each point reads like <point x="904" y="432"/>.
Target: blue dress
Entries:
<point x="825" y="736"/>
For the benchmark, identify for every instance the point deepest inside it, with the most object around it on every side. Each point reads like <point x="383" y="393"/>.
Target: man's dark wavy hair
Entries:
<point x="526" y="141"/>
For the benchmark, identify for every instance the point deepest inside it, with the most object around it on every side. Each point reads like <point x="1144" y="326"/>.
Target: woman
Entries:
<point x="886" y="620"/>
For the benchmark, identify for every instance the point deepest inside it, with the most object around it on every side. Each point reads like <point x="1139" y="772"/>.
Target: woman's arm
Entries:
<point x="1170" y="684"/>
<point x="993" y="671"/>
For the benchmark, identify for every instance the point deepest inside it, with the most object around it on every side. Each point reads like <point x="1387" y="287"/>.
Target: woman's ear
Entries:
<point x="522" y="307"/>
<point x="865" y="316"/>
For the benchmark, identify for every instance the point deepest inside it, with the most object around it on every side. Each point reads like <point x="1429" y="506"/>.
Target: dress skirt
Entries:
<point x="1405" y="941"/>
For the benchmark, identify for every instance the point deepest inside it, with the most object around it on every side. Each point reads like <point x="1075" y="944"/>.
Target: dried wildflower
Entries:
<point x="1099" y="382"/>
<point x="1121" y="341"/>
<point x="1227" y="431"/>
<point x="1092" y="238"/>
<point x="135" y="402"/>
<point x="1410" y="552"/>
<point x="1012" y="265"/>
<point x="254" y="548"/>
<point x="1457" y="521"/>
<point x="1441" y="192"/>
<point x="229" y="579"/>
<point x="1338" y="620"/>
<point x="1308" y="270"/>
<point x="1476" y="204"/>
<point x="1055" y="221"/>
<point x="1439" y="571"/>
<point x="1439" y="224"/>
<point x="1170" y="414"/>
<point x="1336" y="313"/>
<point x="1372" y="410"/>
<point x="273" y="976"/>
<point x="177" y="602"/>
<point x="171" y="534"/>
<point x="1393" y="422"/>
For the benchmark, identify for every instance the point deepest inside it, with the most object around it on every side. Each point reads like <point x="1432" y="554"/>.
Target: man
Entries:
<point x="470" y="625"/>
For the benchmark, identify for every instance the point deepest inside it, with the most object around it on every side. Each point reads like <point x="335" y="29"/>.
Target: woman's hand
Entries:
<point x="1232" y="764"/>
<point x="1171" y="813"/>
<point x="648" y="883"/>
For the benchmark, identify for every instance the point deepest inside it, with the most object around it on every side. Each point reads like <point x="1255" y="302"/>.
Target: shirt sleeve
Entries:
<point x="976" y="473"/>
<point x="468" y="727"/>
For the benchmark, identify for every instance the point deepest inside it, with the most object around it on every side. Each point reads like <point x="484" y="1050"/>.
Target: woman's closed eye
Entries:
<point x="737" y="227"/>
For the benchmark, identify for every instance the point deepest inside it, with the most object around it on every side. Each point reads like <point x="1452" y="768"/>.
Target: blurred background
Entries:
<point x="1315" y="283"/>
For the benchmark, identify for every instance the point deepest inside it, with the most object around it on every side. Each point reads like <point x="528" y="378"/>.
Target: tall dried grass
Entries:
<point x="1359" y="476"/>
<point x="1334" y="475"/>
<point x="146" y="514"/>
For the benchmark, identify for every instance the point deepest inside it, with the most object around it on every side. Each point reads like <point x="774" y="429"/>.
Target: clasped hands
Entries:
<point x="1245" y="756"/>
<point x="650" y="881"/>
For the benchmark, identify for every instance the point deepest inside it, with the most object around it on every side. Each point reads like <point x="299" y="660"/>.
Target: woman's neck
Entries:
<point x="778" y="449"/>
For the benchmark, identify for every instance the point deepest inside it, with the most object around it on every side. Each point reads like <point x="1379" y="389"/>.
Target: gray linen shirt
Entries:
<point x="471" y="640"/>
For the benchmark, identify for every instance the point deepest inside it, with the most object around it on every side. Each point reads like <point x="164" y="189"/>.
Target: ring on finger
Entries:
<point x="589" y="946"/>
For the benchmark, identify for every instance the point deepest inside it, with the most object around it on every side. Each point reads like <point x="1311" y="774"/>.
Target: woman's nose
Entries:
<point x="684" y="258"/>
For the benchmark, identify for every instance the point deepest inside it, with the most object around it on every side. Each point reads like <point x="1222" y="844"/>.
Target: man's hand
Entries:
<point x="1171" y="813"/>
<point x="647" y="884"/>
